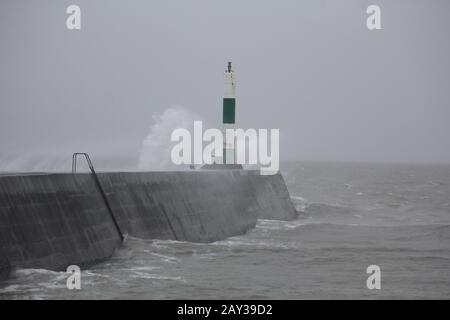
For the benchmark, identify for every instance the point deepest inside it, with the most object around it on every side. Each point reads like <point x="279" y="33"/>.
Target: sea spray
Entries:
<point x="156" y="147"/>
<point x="35" y="161"/>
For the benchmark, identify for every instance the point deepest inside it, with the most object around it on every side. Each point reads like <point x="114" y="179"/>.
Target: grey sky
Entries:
<point x="336" y="90"/>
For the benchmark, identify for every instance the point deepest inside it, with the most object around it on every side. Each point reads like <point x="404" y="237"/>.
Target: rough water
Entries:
<point x="350" y="216"/>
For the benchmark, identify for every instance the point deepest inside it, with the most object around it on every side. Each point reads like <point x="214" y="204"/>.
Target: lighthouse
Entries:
<point x="229" y="115"/>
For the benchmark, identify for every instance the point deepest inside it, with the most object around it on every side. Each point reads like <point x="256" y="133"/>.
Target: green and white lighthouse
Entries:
<point x="229" y="115"/>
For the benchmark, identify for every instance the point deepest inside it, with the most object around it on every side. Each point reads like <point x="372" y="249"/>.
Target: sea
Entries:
<point x="395" y="217"/>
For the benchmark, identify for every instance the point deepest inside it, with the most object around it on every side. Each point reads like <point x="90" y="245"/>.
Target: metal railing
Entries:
<point x="99" y="186"/>
<point x="88" y="160"/>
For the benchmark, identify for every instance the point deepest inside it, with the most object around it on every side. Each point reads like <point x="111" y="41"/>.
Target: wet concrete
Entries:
<point x="54" y="220"/>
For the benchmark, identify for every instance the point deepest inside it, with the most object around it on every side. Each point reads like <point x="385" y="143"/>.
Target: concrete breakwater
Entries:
<point x="55" y="220"/>
<point x="4" y="267"/>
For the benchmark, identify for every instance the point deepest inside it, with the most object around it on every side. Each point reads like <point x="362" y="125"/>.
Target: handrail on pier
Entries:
<point x="99" y="186"/>
<point x="88" y="160"/>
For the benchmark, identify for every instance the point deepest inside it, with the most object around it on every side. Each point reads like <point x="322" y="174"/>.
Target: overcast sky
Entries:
<point x="336" y="90"/>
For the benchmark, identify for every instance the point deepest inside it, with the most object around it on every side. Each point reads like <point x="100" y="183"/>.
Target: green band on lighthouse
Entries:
<point x="229" y="107"/>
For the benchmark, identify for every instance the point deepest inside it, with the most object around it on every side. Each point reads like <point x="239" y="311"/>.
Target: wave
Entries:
<point x="143" y="275"/>
<point x="327" y="210"/>
<point x="245" y="243"/>
<point x="156" y="148"/>
<point x="371" y="214"/>
<point x="322" y="210"/>
<point x="300" y="203"/>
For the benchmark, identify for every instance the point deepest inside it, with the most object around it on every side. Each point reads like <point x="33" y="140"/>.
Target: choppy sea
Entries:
<point x="350" y="216"/>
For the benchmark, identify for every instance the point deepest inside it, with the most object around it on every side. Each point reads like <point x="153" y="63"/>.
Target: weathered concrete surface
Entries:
<point x="54" y="220"/>
<point x="5" y="268"/>
<point x="272" y="196"/>
<point x="197" y="206"/>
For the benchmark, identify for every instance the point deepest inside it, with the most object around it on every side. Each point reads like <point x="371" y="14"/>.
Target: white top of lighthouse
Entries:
<point x="229" y="83"/>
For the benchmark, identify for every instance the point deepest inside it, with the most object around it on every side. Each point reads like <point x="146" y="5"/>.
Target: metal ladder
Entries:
<point x="99" y="186"/>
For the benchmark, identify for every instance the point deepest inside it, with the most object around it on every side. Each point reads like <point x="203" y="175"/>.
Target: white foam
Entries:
<point x="156" y="147"/>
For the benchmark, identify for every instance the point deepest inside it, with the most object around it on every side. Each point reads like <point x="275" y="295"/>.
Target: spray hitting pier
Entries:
<point x="53" y="220"/>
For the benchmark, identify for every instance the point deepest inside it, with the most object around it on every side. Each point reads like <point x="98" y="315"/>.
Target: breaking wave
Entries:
<point x="320" y="210"/>
<point x="156" y="147"/>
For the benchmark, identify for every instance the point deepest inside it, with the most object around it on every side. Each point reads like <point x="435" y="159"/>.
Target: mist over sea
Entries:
<point x="350" y="216"/>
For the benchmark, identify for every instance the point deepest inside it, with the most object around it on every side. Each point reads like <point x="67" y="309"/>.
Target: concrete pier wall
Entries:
<point x="5" y="268"/>
<point x="54" y="220"/>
